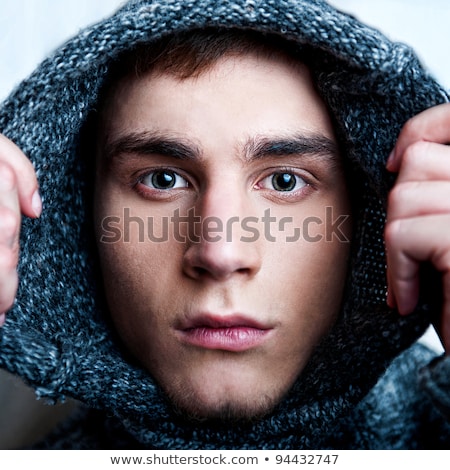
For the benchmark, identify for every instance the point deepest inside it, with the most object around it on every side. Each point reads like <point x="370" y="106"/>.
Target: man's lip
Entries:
<point x="236" y="333"/>
<point x="222" y="321"/>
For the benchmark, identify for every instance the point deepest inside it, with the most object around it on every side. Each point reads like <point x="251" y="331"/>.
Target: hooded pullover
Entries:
<point x="58" y="336"/>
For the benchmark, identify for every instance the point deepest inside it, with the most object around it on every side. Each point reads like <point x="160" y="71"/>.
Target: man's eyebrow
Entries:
<point x="314" y="145"/>
<point x="151" y="143"/>
<point x="178" y="147"/>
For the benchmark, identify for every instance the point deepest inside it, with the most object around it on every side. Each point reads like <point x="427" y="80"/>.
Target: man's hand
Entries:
<point x="418" y="220"/>
<point x="18" y="194"/>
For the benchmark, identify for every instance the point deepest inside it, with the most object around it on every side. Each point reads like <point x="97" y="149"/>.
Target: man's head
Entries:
<point x="218" y="177"/>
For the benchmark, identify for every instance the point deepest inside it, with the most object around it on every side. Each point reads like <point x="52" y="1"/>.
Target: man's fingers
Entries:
<point x="432" y="125"/>
<point x="9" y="237"/>
<point x="444" y="327"/>
<point x="403" y="282"/>
<point x="418" y="216"/>
<point x="8" y="278"/>
<point x="410" y="242"/>
<point x="18" y="194"/>
<point x="416" y="198"/>
<point x="26" y="181"/>
<point x="424" y="161"/>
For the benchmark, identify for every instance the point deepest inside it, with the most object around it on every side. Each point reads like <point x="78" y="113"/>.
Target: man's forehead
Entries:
<point x="160" y="87"/>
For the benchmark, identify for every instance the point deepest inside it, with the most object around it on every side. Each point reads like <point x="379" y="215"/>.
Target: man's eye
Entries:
<point x="163" y="179"/>
<point x="283" y="181"/>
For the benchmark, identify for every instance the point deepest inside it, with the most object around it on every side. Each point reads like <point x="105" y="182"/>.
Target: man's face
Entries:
<point x="236" y="173"/>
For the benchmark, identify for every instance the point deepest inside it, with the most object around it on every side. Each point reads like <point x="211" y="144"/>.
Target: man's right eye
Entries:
<point x="163" y="180"/>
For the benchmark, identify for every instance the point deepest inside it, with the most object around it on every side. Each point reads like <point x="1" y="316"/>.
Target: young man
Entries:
<point x="228" y="287"/>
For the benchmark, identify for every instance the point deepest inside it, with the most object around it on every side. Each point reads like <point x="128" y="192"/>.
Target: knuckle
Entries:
<point x="12" y="155"/>
<point x="8" y="261"/>
<point x="9" y="222"/>
<point x="393" y="233"/>
<point x="442" y="261"/>
<point x="404" y="194"/>
<point x="415" y="154"/>
<point x="8" y="295"/>
<point x="6" y="302"/>
<point x="397" y="195"/>
<point x="412" y="127"/>
<point x="7" y="175"/>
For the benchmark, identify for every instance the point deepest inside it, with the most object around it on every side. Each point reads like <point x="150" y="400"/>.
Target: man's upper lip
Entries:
<point x="222" y="321"/>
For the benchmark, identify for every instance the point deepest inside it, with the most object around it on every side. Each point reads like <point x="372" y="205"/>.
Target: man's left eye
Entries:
<point x="283" y="182"/>
<point x="163" y="180"/>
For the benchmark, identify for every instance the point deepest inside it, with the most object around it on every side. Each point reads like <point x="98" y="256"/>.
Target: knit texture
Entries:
<point x="58" y="336"/>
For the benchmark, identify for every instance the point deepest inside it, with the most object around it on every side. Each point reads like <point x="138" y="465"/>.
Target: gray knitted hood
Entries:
<point x="58" y="337"/>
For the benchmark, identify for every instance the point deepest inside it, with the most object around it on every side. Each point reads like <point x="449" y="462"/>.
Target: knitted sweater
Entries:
<point x="58" y="336"/>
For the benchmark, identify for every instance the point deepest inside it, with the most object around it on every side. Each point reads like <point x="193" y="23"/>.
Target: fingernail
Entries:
<point x="390" y="299"/>
<point x="390" y="159"/>
<point x="36" y="203"/>
<point x="2" y="319"/>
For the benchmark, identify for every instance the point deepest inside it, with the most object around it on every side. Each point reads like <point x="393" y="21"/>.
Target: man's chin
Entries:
<point x="226" y="408"/>
<point x="224" y="412"/>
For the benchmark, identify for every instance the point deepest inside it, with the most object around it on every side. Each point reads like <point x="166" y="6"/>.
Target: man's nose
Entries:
<point x="224" y="248"/>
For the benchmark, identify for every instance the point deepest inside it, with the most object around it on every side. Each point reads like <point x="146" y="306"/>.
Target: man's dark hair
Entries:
<point x="189" y="54"/>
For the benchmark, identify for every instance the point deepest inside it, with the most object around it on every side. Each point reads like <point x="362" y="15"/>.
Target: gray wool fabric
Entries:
<point x="58" y="337"/>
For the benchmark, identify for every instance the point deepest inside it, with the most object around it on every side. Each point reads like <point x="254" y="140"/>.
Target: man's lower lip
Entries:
<point x="236" y="338"/>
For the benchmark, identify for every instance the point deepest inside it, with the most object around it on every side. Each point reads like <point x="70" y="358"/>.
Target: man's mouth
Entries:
<point x="235" y="333"/>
